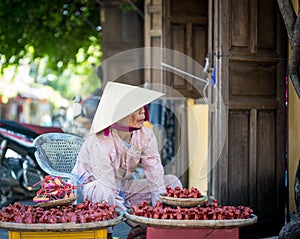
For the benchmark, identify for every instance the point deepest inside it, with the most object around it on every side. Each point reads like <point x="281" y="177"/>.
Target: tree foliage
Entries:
<point x="56" y="29"/>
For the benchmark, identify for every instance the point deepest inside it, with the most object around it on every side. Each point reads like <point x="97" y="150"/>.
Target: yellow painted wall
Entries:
<point x="294" y="142"/>
<point x="294" y="137"/>
<point x="198" y="145"/>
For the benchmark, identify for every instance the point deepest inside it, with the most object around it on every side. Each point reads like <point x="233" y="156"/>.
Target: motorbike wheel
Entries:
<point x="7" y="183"/>
<point x="4" y="200"/>
<point x="31" y="177"/>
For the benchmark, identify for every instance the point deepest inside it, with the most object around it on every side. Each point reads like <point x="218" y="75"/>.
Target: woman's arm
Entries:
<point x="153" y="167"/>
<point x="94" y="164"/>
<point x="81" y="167"/>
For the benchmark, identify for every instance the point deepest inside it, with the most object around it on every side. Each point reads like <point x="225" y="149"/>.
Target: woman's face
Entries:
<point x="136" y="119"/>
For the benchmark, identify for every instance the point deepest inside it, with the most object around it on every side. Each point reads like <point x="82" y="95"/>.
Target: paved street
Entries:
<point x="3" y="234"/>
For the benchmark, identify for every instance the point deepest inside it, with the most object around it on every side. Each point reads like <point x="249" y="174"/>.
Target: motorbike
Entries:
<point x="19" y="171"/>
<point x="84" y="111"/>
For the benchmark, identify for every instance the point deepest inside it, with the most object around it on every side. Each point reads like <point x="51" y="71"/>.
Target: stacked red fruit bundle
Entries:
<point x="178" y="192"/>
<point x="182" y="197"/>
<point x="54" y="188"/>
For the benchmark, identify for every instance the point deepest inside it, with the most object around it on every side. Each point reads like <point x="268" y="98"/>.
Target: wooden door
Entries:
<point x="181" y="26"/>
<point x="186" y="31"/>
<point x="121" y="31"/>
<point x="250" y="45"/>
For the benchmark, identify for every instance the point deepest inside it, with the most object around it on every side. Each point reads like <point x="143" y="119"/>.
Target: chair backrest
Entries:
<point x="57" y="152"/>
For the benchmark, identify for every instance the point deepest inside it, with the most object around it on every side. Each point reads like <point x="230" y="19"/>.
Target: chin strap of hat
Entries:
<point x="126" y="128"/>
<point x="146" y="108"/>
<point x="106" y="131"/>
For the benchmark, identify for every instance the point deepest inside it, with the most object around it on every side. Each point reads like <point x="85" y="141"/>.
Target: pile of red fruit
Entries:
<point x="204" y="212"/>
<point x="79" y="213"/>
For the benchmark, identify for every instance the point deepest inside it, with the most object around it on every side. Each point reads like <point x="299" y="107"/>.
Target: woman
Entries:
<point x="117" y="144"/>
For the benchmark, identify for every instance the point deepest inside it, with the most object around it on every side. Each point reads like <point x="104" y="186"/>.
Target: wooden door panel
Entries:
<point x="252" y="79"/>
<point x="267" y="38"/>
<point x="238" y="157"/>
<point x="240" y="25"/>
<point x="199" y="43"/>
<point x="254" y="26"/>
<point x="178" y="32"/>
<point x="188" y="8"/>
<point x="266" y="162"/>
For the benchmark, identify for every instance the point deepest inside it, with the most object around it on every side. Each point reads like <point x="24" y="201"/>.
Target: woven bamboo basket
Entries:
<point x="183" y="202"/>
<point x="55" y="203"/>
<point x="168" y="223"/>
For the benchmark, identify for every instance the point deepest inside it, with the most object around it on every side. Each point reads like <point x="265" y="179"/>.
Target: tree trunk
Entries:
<point x="292" y="23"/>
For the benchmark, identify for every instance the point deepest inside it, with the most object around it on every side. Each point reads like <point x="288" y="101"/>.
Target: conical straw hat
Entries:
<point x="118" y="101"/>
